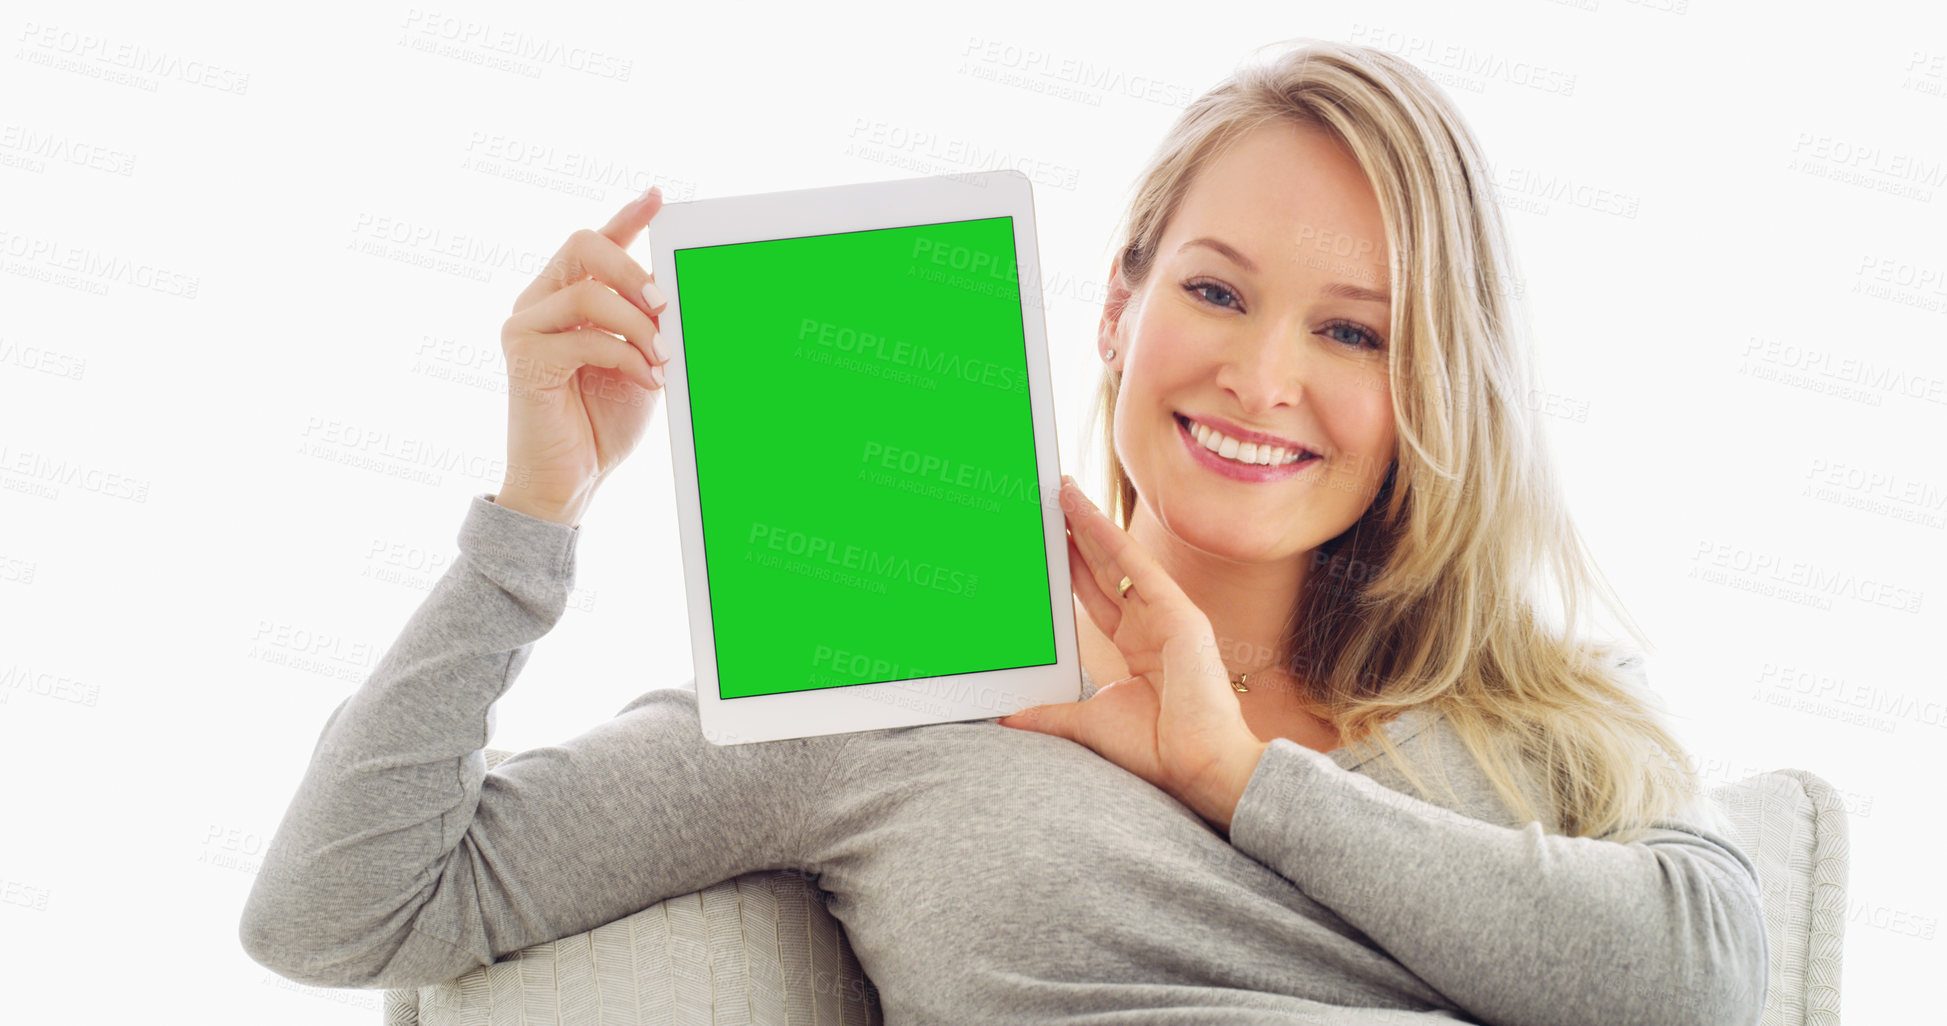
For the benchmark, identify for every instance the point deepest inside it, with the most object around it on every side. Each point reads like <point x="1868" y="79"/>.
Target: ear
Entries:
<point x="1114" y="302"/>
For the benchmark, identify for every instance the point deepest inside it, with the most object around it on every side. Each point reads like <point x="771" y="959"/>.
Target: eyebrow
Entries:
<point x="1338" y="289"/>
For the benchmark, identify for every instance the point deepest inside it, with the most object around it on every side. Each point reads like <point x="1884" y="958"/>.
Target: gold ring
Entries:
<point x="1122" y="588"/>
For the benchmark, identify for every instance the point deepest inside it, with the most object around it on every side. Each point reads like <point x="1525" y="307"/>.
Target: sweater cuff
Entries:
<point x="514" y="548"/>
<point x="1279" y="811"/>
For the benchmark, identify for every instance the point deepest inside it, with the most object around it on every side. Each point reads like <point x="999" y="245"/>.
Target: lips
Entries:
<point x="1236" y="470"/>
<point x="1242" y="434"/>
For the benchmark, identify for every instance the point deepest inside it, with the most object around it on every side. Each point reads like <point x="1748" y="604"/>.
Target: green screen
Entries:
<point x="865" y="456"/>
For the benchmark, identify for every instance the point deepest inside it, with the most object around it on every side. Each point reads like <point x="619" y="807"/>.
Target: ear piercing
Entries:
<point x="1110" y="356"/>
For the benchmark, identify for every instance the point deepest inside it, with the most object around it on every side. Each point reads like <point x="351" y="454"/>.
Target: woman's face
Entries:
<point x="1265" y="318"/>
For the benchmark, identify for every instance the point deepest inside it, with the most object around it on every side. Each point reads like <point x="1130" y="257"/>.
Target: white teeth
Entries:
<point x="1243" y="452"/>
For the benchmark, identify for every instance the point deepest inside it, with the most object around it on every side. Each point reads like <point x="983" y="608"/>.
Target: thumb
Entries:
<point x="1058" y="719"/>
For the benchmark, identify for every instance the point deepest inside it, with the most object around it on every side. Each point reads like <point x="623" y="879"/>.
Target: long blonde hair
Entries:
<point x="1434" y="597"/>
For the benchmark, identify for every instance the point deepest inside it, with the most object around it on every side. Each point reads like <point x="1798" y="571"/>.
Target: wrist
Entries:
<point x="1229" y="782"/>
<point x="567" y="514"/>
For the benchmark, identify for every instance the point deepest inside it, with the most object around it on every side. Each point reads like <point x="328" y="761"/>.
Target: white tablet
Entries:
<point x="862" y="430"/>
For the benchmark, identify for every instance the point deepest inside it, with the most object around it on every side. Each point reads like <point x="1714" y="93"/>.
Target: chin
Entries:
<point x="1224" y="530"/>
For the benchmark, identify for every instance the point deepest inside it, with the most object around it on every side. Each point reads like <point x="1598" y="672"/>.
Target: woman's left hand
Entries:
<point x="1175" y="722"/>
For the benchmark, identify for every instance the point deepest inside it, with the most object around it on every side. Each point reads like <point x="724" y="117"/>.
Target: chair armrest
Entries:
<point x="1793" y="826"/>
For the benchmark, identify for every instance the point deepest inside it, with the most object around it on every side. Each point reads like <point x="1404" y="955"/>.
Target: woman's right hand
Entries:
<point x="578" y="397"/>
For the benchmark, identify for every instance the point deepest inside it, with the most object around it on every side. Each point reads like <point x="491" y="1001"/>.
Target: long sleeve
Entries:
<point x="403" y="861"/>
<point x="1515" y="925"/>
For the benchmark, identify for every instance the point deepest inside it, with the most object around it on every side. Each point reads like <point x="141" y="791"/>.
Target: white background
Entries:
<point x="187" y="587"/>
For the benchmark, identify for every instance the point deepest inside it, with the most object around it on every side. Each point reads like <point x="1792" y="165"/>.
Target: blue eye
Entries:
<point x="1362" y="338"/>
<point x="1197" y="288"/>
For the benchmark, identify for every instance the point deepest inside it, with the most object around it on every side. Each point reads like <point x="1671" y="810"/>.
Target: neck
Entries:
<point x="1248" y="604"/>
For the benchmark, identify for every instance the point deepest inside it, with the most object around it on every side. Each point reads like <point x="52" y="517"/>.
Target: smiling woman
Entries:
<point x="1310" y="266"/>
<point x="1319" y="450"/>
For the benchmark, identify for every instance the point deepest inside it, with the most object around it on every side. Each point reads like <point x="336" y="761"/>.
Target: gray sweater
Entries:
<point x="982" y="873"/>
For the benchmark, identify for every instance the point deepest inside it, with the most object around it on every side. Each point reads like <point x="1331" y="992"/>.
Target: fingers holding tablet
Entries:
<point x="600" y="253"/>
<point x="559" y="326"/>
<point x="584" y="365"/>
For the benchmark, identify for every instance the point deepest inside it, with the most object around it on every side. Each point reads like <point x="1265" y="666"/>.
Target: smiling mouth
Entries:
<point x="1244" y="453"/>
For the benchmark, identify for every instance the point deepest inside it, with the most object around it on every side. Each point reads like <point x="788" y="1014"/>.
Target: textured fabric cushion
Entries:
<point x="759" y="950"/>
<point x="1793" y="825"/>
<point x="762" y="949"/>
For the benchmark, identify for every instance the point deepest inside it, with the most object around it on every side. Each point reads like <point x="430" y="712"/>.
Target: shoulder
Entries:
<point x="1452" y="775"/>
<point x="1453" y="772"/>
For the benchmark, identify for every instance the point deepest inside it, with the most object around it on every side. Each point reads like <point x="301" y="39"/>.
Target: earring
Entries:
<point x="1111" y="356"/>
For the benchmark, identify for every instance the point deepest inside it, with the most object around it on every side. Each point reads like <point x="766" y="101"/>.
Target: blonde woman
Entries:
<point x="1350" y="767"/>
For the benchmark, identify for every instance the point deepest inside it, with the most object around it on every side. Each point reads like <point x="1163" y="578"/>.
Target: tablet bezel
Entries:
<point x="847" y="208"/>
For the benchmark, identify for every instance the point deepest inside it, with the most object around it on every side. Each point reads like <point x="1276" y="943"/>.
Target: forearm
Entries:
<point x="1515" y="925"/>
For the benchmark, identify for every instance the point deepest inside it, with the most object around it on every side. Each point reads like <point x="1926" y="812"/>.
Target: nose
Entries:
<point x="1265" y="366"/>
